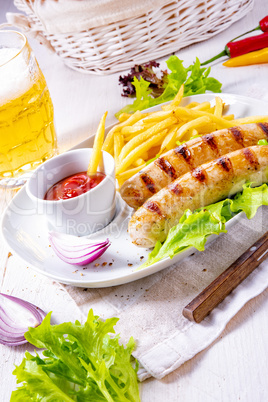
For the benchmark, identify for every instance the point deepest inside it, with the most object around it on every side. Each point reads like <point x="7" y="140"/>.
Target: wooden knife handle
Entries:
<point x="216" y="292"/>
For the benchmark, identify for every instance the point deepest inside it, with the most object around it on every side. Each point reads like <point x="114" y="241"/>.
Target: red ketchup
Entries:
<point x="74" y="185"/>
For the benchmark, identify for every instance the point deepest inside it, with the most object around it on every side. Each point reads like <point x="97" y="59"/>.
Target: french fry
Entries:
<point x="191" y="134"/>
<point x="176" y="101"/>
<point x="228" y="117"/>
<point x="139" y="162"/>
<point x="124" y="117"/>
<point x="193" y="114"/>
<point x="191" y="105"/>
<point x="202" y="106"/>
<point x="190" y="125"/>
<point x="145" y="156"/>
<point x="194" y="132"/>
<point x="111" y="150"/>
<point x="130" y="172"/>
<point x="118" y="145"/>
<point x="169" y="141"/>
<point x="108" y="142"/>
<point x="96" y="155"/>
<point x="248" y="120"/>
<point x="157" y="116"/>
<point x="218" y="107"/>
<point x="139" y="150"/>
<point x="140" y="138"/>
<point x="210" y="110"/>
<point x="131" y="131"/>
<point x="207" y="128"/>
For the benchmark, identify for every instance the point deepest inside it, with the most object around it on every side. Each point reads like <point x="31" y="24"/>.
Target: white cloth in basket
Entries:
<point x="67" y="16"/>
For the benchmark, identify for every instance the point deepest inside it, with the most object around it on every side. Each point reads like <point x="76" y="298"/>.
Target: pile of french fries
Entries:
<point x="140" y="137"/>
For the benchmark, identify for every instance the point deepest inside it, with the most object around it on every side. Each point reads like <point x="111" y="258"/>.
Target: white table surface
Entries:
<point x="235" y="367"/>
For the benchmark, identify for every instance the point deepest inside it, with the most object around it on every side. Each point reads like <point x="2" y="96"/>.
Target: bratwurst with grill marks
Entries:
<point x="186" y="157"/>
<point x="208" y="183"/>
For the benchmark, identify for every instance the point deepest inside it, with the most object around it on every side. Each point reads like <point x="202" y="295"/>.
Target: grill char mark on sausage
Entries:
<point x="225" y="163"/>
<point x="251" y="157"/>
<point x="175" y="188"/>
<point x="199" y="175"/>
<point x="209" y="139"/>
<point x="183" y="151"/>
<point x="264" y="128"/>
<point x="153" y="207"/>
<point x="237" y="134"/>
<point x="166" y="166"/>
<point x="149" y="183"/>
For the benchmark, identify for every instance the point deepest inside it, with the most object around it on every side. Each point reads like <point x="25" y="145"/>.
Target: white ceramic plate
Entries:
<point x="26" y="233"/>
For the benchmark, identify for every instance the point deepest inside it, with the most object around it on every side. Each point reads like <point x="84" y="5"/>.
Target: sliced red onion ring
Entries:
<point x="16" y="316"/>
<point x="77" y="250"/>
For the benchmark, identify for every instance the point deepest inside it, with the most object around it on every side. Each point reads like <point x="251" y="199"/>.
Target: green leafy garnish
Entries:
<point x="196" y="80"/>
<point x="79" y="363"/>
<point x="183" y="142"/>
<point x="194" y="227"/>
<point x="153" y="159"/>
<point x="263" y="142"/>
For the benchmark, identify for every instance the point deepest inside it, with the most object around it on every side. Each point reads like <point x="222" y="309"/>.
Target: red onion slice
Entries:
<point x="77" y="250"/>
<point x="16" y="316"/>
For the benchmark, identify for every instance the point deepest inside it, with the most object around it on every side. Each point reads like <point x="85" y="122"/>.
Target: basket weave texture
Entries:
<point x="119" y="45"/>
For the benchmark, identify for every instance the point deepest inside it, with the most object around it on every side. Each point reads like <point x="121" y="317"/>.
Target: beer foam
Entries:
<point x="6" y="54"/>
<point x="15" y="78"/>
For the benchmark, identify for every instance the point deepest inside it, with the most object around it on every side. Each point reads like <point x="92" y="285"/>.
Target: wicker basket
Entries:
<point x="117" y="46"/>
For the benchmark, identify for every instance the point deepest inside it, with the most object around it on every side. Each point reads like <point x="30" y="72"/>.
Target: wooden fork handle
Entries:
<point x="216" y="292"/>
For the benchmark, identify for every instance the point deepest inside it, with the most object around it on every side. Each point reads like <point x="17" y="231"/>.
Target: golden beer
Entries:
<point x="27" y="134"/>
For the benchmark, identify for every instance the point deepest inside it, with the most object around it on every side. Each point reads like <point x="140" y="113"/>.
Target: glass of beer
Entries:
<point x="27" y="134"/>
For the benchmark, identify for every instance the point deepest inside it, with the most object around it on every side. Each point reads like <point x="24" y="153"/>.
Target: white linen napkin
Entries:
<point x="150" y="309"/>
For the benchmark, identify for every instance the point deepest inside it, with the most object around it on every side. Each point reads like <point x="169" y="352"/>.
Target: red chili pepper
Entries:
<point x="263" y="25"/>
<point x="243" y="46"/>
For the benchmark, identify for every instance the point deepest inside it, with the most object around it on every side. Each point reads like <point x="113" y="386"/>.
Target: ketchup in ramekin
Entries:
<point x="73" y="186"/>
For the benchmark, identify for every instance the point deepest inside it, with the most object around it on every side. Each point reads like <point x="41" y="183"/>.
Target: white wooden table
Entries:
<point x="235" y="367"/>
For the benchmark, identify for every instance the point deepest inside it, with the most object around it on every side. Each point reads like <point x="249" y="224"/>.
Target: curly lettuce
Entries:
<point x="195" y="78"/>
<point x="79" y="363"/>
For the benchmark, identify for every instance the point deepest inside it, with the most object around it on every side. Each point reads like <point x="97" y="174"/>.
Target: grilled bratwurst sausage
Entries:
<point x="186" y="157"/>
<point x="208" y="183"/>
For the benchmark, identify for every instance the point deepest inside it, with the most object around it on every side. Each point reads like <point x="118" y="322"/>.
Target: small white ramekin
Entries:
<point x="82" y="215"/>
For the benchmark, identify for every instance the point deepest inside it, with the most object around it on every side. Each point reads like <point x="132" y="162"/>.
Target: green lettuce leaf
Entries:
<point x="194" y="227"/>
<point x="263" y="142"/>
<point x="250" y="200"/>
<point x="79" y="363"/>
<point x="195" y="79"/>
